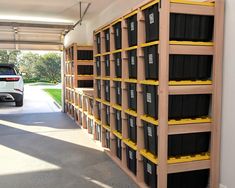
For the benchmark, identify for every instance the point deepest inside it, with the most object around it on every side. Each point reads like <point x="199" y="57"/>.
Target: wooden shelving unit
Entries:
<point x="84" y="103"/>
<point x="165" y="165"/>
<point x="78" y="74"/>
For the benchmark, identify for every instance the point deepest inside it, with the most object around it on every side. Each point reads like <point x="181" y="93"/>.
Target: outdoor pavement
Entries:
<point x="35" y="101"/>
<point x="48" y="150"/>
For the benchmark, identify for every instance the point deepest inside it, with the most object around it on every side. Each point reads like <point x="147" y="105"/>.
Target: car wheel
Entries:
<point x="19" y="103"/>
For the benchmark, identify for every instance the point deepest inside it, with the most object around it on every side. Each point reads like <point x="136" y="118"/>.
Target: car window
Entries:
<point x="7" y="71"/>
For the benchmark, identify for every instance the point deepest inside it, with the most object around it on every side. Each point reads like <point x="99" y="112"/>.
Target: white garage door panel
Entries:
<point x="6" y="36"/>
<point x="41" y="47"/>
<point x="7" y="46"/>
<point x="40" y="37"/>
<point x="38" y="30"/>
<point x="35" y="36"/>
<point x="31" y="47"/>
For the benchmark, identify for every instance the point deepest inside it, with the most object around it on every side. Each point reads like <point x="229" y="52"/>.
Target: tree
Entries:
<point x="9" y="56"/>
<point x="27" y="63"/>
<point x="49" y="67"/>
<point x="34" y="66"/>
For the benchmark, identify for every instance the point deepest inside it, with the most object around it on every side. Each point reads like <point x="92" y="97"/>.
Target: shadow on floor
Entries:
<point x="78" y="165"/>
<point x="56" y="120"/>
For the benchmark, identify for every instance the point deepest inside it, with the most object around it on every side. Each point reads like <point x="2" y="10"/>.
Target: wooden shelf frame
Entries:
<point x="166" y="47"/>
<point x="72" y="78"/>
<point x="84" y="106"/>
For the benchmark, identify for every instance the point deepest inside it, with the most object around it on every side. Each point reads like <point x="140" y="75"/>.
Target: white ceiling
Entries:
<point x="53" y="12"/>
<point x="56" y="10"/>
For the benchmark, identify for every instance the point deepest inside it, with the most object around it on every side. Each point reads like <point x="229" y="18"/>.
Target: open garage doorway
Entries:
<point x="36" y="51"/>
<point x="41" y="74"/>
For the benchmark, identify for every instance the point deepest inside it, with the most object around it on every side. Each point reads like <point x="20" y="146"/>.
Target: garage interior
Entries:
<point x="62" y="153"/>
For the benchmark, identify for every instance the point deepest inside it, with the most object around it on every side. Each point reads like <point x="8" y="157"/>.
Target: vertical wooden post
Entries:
<point x="75" y="62"/>
<point x="112" y="47"/>
<point x="63" y="78"/>
<point x="217" y="93"/>
<point x="163" y="92"/>
<point x="140" y="110"/>
<point x="140" y="134"/>
<point x="124" y="34"/>
<point x="112" y="127"/>
<point x="125" y="72"/>
<point x="102" y="66"/>
<point x="103" y="137"/>
<point x="112" y="75"/>
<point x="84" y="124"/>
<point x="102" y="42"/>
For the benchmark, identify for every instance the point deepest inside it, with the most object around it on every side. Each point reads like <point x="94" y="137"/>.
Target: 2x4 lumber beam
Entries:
<point x="163" y="92"/>
<point x="190" y="49"/>
<point x="198" y="89"/>
<point x="192" y="9"/>
<point x="189" y="166"/>
<point x="217" y="93"/>
<point x="189" y="128"/>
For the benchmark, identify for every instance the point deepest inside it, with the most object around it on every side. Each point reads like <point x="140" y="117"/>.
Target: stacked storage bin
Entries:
<point x="107" y="88"/>
<point x="150" y="97"/>
<point x="107" y="139"/>
<point x="107" y="40"/>
<point x="107" y="65"/>
<point x="102" y="86"/>
<point x="89" y="109"/>
<point x="132" y="63"/>
<point x="131" y="157"/>
<point x="130" y="91"/>
<point x="90" y="126"/>
<point x="84" y="69"/>
<point x="118" y="92"/>
<point x="98" y="92"/>
<point x="142" y="123"/>
<point x="84" y="66"/>
<point x="117" y="83"/>
<point x="98" y="132"/>
<point x="132" y="96"/>
<point x="118" y="64"/>
<point x="98" y="88"/>
<point x="117" y="27"/>
<point x="97" y="118"/>
<point x="106" y="123"/>
<point x="118" y="147"/>
<point x="83" y="101"/>
<point x="189" y="68"/>
<point x="98" y="66"/>
<point x="131" y="124"/>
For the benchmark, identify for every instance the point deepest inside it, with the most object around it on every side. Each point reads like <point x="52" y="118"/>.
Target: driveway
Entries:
<point x="43" y="148"/>
<point x="35" y="101"/>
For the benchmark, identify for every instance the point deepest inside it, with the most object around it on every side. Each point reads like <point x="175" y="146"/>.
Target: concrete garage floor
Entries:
<point x="48" y="150"/>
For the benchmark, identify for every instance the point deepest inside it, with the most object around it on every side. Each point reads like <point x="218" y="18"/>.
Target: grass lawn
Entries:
<point x="55" y="94"/>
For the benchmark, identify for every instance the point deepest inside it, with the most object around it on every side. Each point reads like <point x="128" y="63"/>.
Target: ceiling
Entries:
<point x="41" y="24"/>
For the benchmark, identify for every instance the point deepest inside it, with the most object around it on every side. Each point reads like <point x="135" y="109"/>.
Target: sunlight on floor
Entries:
<point x="16" y="162"/>
<point x="98" y="183"/>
